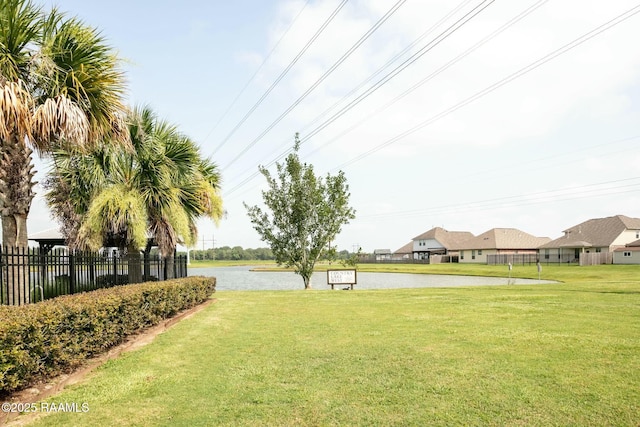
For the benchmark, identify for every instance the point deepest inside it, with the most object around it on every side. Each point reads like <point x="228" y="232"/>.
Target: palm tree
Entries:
<point x="60" y="86"/>
<point x="158" y="189"/>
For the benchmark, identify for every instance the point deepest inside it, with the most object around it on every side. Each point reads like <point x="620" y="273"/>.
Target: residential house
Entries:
<point x="595" y="235"/>
<point x="629" y="254"/>
<point x="499" y="241"/>
<point x="405" y="252"/>
<point x="439" y="241"/>
<point x="382" y="254"/>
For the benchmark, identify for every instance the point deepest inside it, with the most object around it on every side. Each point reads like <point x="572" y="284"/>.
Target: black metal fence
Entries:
<point x="529" y="259"/>
<point x="30" y="275"/>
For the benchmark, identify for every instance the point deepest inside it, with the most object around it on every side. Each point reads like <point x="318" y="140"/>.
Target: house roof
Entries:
<point x="633" y="244"/>
<point x="505" y="238"/>
<point x="448" y="239"/>
<point x="595" y="232"/>
<point x="406" y="249"/>
<point x="627" y="249"/>
<point x="382" y="251"/>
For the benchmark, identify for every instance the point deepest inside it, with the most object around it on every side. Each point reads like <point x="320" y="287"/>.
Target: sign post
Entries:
<point x="539" y="271"/>
<point x="341" y="277"/>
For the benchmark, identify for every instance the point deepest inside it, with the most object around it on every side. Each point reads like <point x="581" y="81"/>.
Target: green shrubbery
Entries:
<point x="41" y="340"/>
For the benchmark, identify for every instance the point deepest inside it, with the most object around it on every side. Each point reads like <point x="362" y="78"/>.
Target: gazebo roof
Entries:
<point x="50" y="237"/>
<point x="53" y="237"/>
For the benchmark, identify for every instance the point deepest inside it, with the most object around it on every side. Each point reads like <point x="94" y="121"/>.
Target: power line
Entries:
<point x="389" y="63"/>
<point x="400" y="68"/>
<point x="430" y="77"/>
<point x="567" y="47"/>
<point x="412" y="59"/>
<point x="571" y="153"/>
<point x="348" y="53"/>
<point x="252" y="78"/>
<point x="519" y="165"/>
<point x="563" y="194"/>
<point x="283" y="73"/>
<point x="286" y="145"/>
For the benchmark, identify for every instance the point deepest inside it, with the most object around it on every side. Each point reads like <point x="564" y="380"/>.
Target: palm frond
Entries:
<point x="20" y="30"/>
<point x="117" y="211"/>
<point x="59" y="119"/>
<point x="86" y="72"/>
<point x="15" y="111"/>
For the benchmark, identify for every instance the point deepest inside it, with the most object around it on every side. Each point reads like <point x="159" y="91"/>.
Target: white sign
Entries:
<point x="341" y="277"/>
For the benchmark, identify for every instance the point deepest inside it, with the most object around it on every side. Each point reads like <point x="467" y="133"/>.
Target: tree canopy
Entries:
<point x="61" y="85"/>
<point x="158" y="189"/>
<point x="303" y="213"/>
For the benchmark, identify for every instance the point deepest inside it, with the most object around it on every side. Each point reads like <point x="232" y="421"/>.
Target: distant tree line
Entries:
<point x="237" y="253"/>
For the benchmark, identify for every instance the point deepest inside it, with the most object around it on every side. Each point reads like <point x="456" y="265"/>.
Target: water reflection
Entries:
<point x="240" y="278"/>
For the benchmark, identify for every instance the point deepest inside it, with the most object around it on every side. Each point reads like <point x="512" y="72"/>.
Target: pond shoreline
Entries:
<point x="256" y="278"/>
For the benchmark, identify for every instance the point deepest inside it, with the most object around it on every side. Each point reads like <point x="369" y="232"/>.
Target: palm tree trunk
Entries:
<point x="16" y="194"/>
<point x="134" y="264"/>
<point x="16" y="191"/>
<point x="169" y="266"/>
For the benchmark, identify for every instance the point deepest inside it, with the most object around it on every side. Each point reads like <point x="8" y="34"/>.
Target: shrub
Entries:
<point x="42" y="340"/>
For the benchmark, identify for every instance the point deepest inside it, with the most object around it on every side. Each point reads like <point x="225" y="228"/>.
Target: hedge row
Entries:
<point x="42" y="340"/>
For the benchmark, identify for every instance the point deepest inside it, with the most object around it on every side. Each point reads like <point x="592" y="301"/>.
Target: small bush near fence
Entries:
<point x="42" y="340"/>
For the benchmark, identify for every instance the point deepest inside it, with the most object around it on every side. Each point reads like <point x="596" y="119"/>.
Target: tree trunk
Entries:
<point x="147" y="263"/>
<point x="169" y="262"/>
<point x="307" y="282"/>
<point x="14" y="231"/>
<point x="16" y="194"/>
<point x="16" y="191"/>
<point x="134" y="264"/>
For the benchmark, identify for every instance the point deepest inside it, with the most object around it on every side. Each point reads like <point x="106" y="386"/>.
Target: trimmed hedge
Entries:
<point x="42" y="340"/>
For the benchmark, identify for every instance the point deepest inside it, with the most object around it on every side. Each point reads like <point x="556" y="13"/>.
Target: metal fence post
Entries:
<point x="72" y="273"/>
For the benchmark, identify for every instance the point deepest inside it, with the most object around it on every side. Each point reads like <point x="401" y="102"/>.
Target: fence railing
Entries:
<point x="373" y="260"/>
<point x="529" y="259"/>
<point x="30" y="275"/>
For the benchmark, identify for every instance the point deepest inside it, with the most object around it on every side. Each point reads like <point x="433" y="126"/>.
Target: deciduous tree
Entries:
<point x="303" y="213"/>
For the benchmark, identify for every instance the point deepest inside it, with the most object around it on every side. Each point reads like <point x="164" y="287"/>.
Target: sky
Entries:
<point x="465" y="115"/>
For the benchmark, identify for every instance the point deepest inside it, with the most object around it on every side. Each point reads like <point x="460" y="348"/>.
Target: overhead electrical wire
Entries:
<point x="404" y="65"/>
<point x="286" y="145"/>
<point x="411" y="60"/>
<point x="565" y="48"/>
<point x="558" y="195"/>
<point x="425" y="80"/>
<point x="253" y="77"/>
<point x="388" y="64"/>
<point x="322" y="78"/>
<point x="283" y="73"/>
<point x="572" y="154"/>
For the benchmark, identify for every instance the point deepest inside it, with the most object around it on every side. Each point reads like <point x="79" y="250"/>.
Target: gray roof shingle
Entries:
<point x="597" y="232"/>
<point x="505" y="238"/>
<point x="451" y="240"/>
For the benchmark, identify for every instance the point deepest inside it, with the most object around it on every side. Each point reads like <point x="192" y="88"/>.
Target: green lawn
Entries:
<point x="560" y="354"/>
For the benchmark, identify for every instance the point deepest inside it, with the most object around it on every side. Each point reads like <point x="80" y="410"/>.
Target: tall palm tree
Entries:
<point x="158" y="189"/>
<point x="60" y="86"/>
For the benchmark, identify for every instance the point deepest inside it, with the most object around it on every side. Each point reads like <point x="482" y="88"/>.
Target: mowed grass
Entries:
<point x="560" y="354"/>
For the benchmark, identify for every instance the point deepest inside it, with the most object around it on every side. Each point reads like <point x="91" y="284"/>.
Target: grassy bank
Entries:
<point x="561" y="354"/>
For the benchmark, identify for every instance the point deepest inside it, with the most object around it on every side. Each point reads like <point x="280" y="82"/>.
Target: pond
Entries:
<point x="241" y="278"/>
